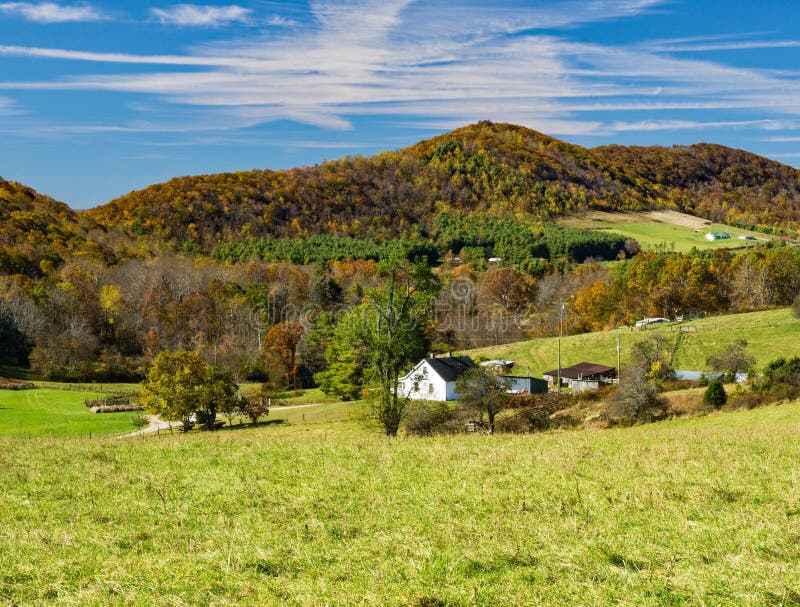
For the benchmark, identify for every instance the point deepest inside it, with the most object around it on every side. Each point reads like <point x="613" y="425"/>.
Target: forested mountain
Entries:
<point x="498" y="170"/>
<point x="37" y="232"/>
<point x="718" y="183"/>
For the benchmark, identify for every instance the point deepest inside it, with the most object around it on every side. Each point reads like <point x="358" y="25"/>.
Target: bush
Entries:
<point x="748" y="400"/>
<point x="636" y="400"/>
<point x="715" y="394"/>
<point x="781" y="379"/>
<point x="526" y="420"/>
<point x="424" y="418"/>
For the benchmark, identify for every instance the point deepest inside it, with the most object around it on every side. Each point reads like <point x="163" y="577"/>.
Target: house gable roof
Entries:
<point x="582" y="370"/>
<point x="450" y="368"/>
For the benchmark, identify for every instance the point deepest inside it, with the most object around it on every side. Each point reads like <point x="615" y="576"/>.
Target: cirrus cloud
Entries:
<point x="197" y="15"/>
<point x="50" y="12"/>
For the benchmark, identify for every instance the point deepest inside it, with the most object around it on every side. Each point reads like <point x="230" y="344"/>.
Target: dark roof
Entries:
<point x="450" y="368"/>
<point x="582" y="370"/>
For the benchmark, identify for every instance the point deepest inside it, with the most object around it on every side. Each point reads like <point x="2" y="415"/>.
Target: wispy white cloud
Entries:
<point x="200" y="15"/>
<point x="432" y="63"/>
<point x="281" y="21"/>
<point x="784" y="139"/>
<point x="695" y="125"/>
<point x="713" y="44"/>
<point x="8" y="107"/>
<point x="56" y="53"/>
<point x="50" y="12"/>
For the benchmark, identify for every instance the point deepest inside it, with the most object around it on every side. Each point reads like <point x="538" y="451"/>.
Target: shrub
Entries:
<point x="526" y="420"/>
<point x="636" y="400"/>
<point x="715" y="394"/>
<point x="255" y="409"/>
<point x="747" y="400"/>
<point x="424" y="418"/>
<point x="781" y="379"/>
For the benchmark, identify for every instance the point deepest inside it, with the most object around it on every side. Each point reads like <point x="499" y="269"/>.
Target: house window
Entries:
<point x="430" y="388"/>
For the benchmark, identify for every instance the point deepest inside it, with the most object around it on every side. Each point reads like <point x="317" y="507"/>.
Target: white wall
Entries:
<point x="422" y="383"/>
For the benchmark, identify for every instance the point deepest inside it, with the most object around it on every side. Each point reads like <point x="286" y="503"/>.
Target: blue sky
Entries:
<point x="98" y="98"/>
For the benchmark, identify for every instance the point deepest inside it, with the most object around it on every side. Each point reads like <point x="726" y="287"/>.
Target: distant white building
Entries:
<point x="651" y="321"/>
<point x="717" y="236"/>
<point x="498" y="364"/>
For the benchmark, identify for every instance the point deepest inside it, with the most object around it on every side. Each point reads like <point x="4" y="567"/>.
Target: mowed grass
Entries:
<point x="57" y="412"/>
<point x="769" y="334"/>
<point x="702" y="511"/>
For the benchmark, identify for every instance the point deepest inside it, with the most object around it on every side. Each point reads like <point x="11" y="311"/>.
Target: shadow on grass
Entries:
<point x="269" y="422"/>
<point x="12" y="372"/>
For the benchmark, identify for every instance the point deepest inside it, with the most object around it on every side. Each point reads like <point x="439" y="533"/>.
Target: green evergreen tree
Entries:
<point x="715" y="394"/>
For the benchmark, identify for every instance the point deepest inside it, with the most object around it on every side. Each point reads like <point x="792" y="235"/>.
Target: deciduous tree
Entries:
<point x="180" y="384"/>
<point x="280" y="348"/>
<point x="376" y="342"/>
<point x="732" y="359"/>
<point x="483" y="392"/>
<point x="174" y="385"/>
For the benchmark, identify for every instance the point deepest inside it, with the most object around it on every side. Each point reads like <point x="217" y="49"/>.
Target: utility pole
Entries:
<point x="618" y="358"/>
<point x="560" y="335"/>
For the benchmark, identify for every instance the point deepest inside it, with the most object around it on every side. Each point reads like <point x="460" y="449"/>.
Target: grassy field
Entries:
<point x="57" y="412"/>
<point x="318" y="413"/>
<point x="57" y="409"/>
<point x="676" y="231"/>
<point x="703" y="511"/>
<point x="769" y="334"/>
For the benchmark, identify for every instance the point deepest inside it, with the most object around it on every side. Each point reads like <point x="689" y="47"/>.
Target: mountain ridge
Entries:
<point x="489" y="168"/>
<point x="492" y="169"/>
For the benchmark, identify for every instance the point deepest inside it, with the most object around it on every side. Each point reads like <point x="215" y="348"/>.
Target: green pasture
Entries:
<point x="323" y="413"/>
<point x="652" y="234"/>
<point x="769" y="334"/>
<point x="701" y="511"/>
<point x="57" y="412"/>
<point x="307" y="397"/>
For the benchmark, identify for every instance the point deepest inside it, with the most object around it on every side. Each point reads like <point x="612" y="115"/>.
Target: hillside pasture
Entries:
<point x="675" y="231"/>
<point x="769" y="334"/>
<point x="702" y="511"/>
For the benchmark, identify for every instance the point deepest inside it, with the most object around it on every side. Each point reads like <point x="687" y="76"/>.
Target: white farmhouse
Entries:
<point x="435" y="378"/>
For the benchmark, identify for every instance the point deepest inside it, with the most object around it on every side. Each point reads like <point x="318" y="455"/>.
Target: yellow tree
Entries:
<point x="173" y="388"/>
<point x="280" y="349"/>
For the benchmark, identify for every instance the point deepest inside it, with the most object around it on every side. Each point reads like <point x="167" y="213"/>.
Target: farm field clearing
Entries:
<point x="691" y="511"/>
<point x="676" y="231"/>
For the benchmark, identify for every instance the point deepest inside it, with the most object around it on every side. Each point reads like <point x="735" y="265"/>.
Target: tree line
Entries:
<point x="286" y="323"/>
